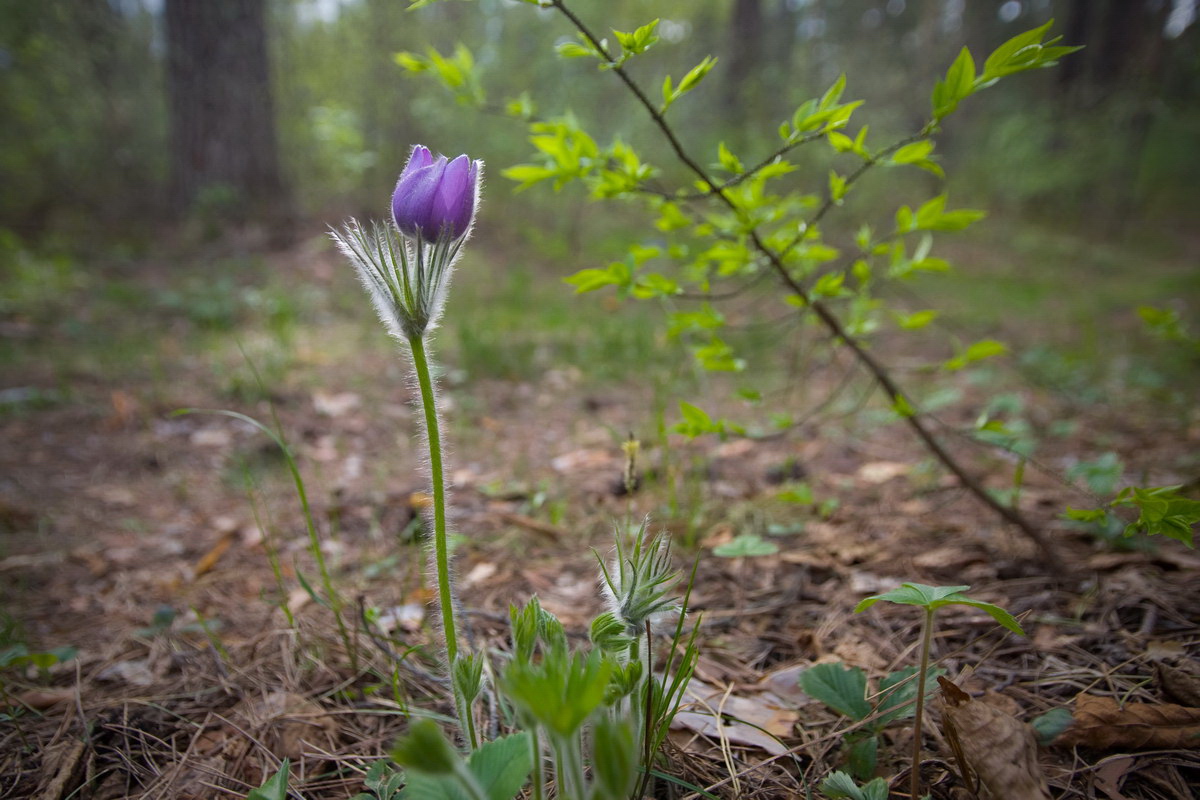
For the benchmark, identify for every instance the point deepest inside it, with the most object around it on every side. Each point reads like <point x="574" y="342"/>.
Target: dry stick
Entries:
<point x="878" y="372"/>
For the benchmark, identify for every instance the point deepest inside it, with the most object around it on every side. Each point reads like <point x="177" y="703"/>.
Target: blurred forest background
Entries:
<point x="120" y="115"/>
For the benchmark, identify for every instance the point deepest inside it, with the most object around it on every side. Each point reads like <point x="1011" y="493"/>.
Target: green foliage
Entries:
<point x="275" y="787"/>
<point x="746" y="545"/>
<point x="841" y="688"/>
<point x="844" y="689"/>
<point x="1050" y="725"/>
<point x="932" y="598"/>
<point x="495" y="771"/>
<point x="1162" y="510"/>
<point x="840" y="785"/>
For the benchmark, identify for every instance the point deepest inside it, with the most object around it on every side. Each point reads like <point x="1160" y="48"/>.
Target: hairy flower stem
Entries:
<point x="441" y="556"/>
<point x="914" y="781"/>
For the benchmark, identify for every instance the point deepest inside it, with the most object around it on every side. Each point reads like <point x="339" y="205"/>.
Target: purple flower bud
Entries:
<point x="436" y="198"/>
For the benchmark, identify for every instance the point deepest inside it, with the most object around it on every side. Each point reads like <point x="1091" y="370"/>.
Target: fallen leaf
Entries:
<point x="41" y="699"/>
<point x="1000" y="749"/>
<point x="210" y="559"/>
<point x="335" y="405"/>
<point x="757" y="720"/>
<point x="211" y="437"/>
<point x="407" y="617"/>
<point x="479" y="573"/>
<point x="1181" y="683"/>
<point x="134" y="673"/>
<point x="881" y="471"/>
<point x="1102" y="723"/>
<point x="1110" y="774"/>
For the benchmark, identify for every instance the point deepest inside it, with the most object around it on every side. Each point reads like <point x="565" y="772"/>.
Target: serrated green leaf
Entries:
<point x="502" y="765"/>
<point x="840" y="687"/>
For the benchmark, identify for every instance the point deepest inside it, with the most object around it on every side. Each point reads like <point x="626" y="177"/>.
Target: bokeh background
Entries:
<point x="121" y="115"/>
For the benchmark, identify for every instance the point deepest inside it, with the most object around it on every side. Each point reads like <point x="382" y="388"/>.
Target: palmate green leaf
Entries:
<point x="502" y="766"/>
<point x="935" y="597"/>
<point x="839" y="785"/>
<point x="747" y="545"/>
<point x="840" y="687"/>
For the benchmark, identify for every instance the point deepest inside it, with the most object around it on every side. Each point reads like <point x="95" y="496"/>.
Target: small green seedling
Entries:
<point x="931" y="598"/>
<point x="839" y="785"/>
<point x="275" y="787"/>
<point x="844" y="689"/>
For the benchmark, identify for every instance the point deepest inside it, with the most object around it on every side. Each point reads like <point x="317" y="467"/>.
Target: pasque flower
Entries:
<point x="406" y="268"/>
<point x="436" y="198"/>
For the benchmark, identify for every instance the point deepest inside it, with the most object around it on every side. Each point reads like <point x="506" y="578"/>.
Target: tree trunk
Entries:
<point x="223" y="146"/>
<point x="745" y="51"/>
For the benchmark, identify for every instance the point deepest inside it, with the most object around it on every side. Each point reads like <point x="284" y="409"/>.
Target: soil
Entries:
<point x="146" y="540"/>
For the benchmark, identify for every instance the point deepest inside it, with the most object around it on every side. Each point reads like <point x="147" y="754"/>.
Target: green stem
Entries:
<point x="441" y="557"/>
<point x="539" y="773"/>
<point x="914" y="782"/>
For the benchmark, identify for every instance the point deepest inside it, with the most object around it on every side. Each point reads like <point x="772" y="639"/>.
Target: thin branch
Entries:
<point x="827" y="317"/>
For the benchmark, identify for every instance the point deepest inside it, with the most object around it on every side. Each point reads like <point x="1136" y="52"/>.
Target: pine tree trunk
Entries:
<point x="223" y="146"/>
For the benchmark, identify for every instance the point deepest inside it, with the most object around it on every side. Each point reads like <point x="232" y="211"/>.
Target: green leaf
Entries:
<point x="862" y="757"/>
<point x="275" y="787"/>
<point x="528" y="174"/>
<point x="841" y="688"/>
<point x="424" y="749"/>
<point x="689" y="81"/>
<point x="1162" y="510"/>
<point x="729" y="162"/>
<point x="958" y="85"/>
<point x="502" y="766"/>
<point x="986" y="348"/>
<point x="746" y="545"/>
<point x="1050" y="726"/>
<point x="916" y="320"/>
<point x="574" y="50"/>
<point x="912" y="153"/>
<point x="837" y="187"/>
<point x="935" y="597"/>
<point x="839" y="785"/>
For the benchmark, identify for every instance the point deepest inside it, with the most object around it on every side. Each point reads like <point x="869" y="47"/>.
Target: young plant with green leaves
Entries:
<point x="931" y="598"/>
<point x="748" y="224"/>
<point x="590" y="720"/>
<point x="844" y="689"/>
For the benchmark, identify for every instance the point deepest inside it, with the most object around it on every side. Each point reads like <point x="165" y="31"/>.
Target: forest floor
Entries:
<point x="169" y="553"/>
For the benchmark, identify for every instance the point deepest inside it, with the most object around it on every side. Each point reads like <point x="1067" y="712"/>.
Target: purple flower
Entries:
<point x="434" y="197"/>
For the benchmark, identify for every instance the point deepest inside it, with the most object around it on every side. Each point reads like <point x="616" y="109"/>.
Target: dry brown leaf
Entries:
<point x="1110" y="774"/>
<point x="1102" y="723"/>
<point x="882" y="471"/>
<point x="765" y="718"/>
<point x="1000" y="749"/>
<point x="1181" y="683"/>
